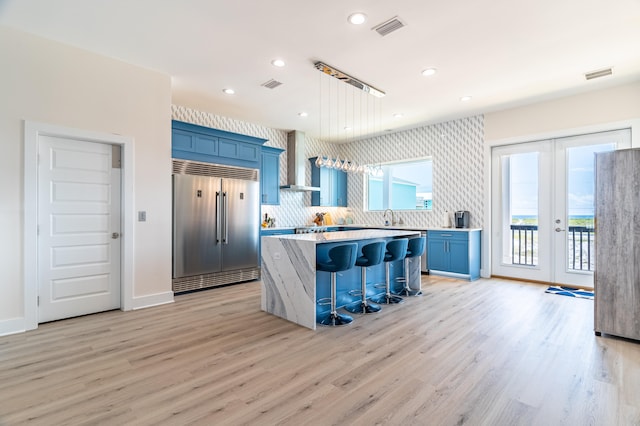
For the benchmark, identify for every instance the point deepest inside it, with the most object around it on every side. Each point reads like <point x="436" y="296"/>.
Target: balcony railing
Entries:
<point x="524" y="246"/>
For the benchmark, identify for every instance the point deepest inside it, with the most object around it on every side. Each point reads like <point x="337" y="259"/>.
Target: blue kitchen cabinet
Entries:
<point x="270" y="175"/>
<point x="332" y="183"/>
<point x="198" y="143"/>
<point x="454" y="253"/>
<point x="340" y="188"/>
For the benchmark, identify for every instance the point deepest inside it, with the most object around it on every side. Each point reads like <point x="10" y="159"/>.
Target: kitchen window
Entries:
<point x="403" y="185"/>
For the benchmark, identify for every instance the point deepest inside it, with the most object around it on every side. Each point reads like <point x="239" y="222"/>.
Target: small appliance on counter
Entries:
<point x="461" y="219"/>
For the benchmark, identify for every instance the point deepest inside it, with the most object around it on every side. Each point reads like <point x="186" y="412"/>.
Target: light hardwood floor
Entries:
<point x="491" y="352"/>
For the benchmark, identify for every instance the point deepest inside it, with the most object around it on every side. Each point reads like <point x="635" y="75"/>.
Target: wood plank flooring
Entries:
<point x="490" y="352"/>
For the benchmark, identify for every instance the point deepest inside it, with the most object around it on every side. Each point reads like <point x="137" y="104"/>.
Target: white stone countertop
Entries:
<point x="330" y="237"/>
<point x="411" y="228"/>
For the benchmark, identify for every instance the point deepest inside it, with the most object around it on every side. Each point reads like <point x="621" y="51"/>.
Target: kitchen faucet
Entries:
<point x="393" y="219"/>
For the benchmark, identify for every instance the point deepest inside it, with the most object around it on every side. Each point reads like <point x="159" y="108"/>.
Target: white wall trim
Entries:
<point x="32" y="131"/>
<point x="633" y="124"/>
<point x="12" y="326"/>
<point x="152" y="300"/>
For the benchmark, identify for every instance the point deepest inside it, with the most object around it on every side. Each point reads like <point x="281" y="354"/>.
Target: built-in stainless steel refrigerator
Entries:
<point x="216" y="226"/>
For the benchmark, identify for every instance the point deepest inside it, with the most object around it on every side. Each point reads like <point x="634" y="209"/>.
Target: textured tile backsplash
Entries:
<point x="455" y="146"/>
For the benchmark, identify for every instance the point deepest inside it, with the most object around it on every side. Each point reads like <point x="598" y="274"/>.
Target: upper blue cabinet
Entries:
<point x="332" y="183"/>
<point x="270" y="175"/>
<point x="198" y="143"/>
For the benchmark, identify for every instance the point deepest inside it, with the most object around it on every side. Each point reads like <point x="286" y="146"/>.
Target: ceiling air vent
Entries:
<point x="595" y="74"/>
<point x="271" y="84"/>
<point x="389" y="26"/>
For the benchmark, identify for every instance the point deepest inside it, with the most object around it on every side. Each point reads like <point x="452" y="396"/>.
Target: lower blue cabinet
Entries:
<point x="454" y="253"/>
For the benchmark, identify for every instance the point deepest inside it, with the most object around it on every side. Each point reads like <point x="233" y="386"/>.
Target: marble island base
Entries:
<point x="291" y="286"/>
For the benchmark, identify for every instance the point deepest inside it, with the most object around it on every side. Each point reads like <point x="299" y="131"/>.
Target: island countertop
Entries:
<point x="337" y="236"/>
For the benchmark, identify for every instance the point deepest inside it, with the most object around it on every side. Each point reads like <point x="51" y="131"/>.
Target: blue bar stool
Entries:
<point x="372" y="254"/>
<point x="396" y="250"/>
<point x="415" y="248"/>
<point x="341" y="258"/>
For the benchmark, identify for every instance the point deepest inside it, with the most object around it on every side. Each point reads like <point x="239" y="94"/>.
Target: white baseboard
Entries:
<point x="152" y="300"/>
<point x="12" y="326"/>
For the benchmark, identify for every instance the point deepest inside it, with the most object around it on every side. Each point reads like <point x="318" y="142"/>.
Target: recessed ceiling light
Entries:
<point x="397" y="115"/>
<point x="277" y="63"/>
<point x="303" y="114"/>
<point x="357" y="18"/>
<point x="229" y="91"/>
<point x="428" y="72"/>
<point x="465" y="98"/>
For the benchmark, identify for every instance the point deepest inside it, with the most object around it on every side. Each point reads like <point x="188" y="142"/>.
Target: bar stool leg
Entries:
<point x="406" y="289"/>
<point x="364" y="307"/>
<point x="335" y="318"/>
<point x="388" y="298"/>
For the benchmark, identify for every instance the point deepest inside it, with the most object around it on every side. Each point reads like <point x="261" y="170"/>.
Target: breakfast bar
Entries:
<point x="292" y="285"/>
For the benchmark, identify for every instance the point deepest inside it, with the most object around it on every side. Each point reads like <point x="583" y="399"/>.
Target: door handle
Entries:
<point x="559" y="230"/>
<point x="225" y="206"/>
<point x="115" y="236"/>
<point x="218" y="217"/>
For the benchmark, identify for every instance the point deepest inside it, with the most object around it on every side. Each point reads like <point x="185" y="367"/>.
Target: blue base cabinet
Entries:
<point x="454" y="253"/>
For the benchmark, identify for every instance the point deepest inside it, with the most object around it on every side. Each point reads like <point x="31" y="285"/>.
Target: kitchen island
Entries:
<point x="291" y="286"/>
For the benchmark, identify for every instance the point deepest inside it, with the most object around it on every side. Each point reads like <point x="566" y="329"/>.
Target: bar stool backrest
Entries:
<point x="372" y="254"/>
<point x="396" y="249"/>
<point x="343" y="257"/>
<point x="415" y="247"/>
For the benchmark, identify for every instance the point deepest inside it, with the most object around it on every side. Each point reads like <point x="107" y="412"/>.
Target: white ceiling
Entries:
<point x="503" y="53"/>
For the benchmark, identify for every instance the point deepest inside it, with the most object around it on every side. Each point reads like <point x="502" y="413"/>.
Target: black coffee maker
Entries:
<point x="461" y="219"/>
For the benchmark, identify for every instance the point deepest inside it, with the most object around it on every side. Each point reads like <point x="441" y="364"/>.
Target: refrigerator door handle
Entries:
<point x="225" y="205"/>
<point x="217" y="217"/>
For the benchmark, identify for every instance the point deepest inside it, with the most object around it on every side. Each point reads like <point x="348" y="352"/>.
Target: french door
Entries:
<point x="543" y="212"/>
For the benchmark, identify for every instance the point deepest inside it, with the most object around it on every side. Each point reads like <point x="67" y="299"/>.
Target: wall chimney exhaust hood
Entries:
<point x="296" y="163"/>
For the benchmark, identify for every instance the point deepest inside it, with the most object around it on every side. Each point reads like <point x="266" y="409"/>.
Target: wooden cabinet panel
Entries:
<point x="617" y="272"/>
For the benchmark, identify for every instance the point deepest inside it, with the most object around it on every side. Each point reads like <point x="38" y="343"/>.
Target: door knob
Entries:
<point x="115" y="236"/>
<point x="559" y="230"/>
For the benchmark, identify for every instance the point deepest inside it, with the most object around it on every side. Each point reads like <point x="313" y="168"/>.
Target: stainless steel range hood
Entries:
<point x="296" y="163"/>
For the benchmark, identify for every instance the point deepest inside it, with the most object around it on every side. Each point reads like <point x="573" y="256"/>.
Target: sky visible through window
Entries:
<point x="524" y="169"/>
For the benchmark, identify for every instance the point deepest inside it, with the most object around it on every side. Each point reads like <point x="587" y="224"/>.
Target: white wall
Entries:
<point x="48" y="82"/>
<point x="557" y="116"/>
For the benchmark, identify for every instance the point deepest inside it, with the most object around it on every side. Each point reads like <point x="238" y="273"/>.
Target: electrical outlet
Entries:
<point x="142" y="216"/>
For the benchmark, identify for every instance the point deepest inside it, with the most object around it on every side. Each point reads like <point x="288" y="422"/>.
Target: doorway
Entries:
<point x="53" y="234"/>
<point x="79" y="227"/>
<point x="543" y="208"/>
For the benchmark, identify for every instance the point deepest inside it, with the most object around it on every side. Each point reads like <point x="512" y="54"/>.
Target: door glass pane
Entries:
<point x="520" y="212"/>
<point x="580" y="205"/>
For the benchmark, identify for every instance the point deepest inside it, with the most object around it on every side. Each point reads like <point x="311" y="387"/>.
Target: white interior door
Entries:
<point x="79" y="228"/>
<point x="542" y="199"/>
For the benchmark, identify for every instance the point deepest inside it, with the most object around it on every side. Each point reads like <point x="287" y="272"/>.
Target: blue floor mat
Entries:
<point x="571" y="292"/>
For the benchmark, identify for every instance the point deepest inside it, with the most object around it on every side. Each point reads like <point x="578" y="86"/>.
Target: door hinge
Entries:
<point x="38" y="300"/>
